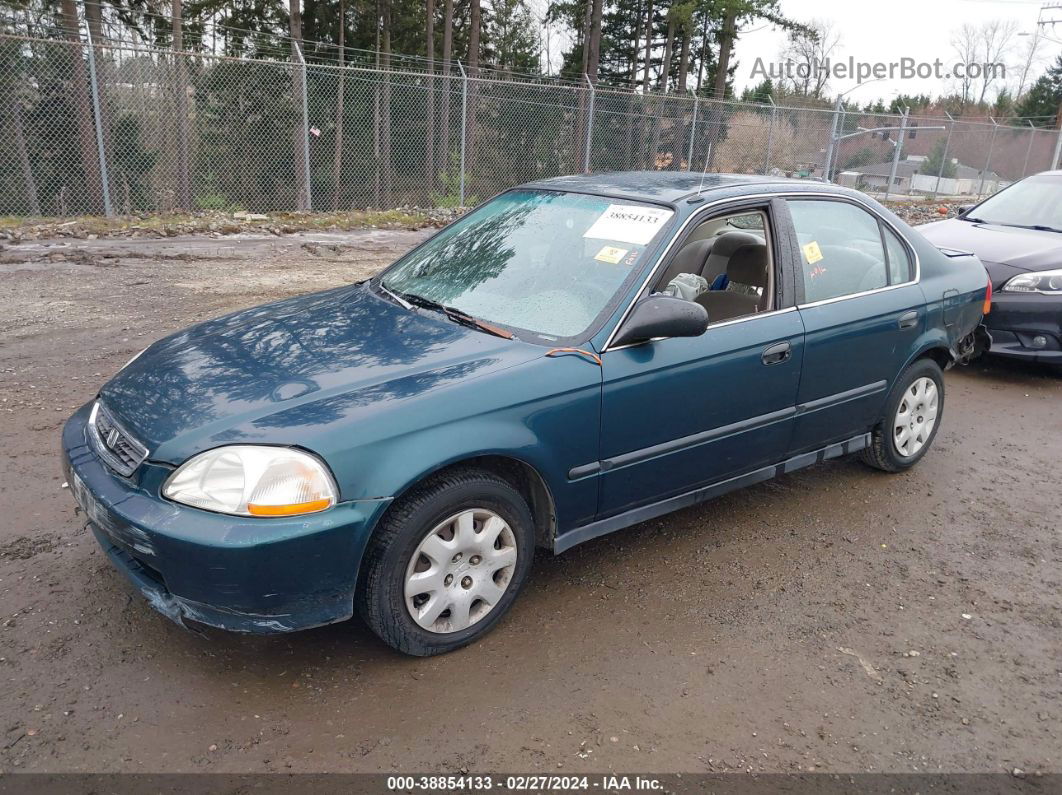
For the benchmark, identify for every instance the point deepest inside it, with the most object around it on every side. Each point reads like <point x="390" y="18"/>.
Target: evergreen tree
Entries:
<point x="1041" y="102"/>
<point x="931" y="165"/>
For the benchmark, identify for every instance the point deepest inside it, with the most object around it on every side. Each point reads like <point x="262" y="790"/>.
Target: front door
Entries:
<point x="681" y="413"/>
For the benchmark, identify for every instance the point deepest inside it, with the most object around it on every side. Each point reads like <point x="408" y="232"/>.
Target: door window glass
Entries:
<point x="841" y="252"/>
<point x="900" y="269"/>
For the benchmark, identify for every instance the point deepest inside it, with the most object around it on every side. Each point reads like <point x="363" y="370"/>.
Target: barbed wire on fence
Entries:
<point x="131" y="129"/>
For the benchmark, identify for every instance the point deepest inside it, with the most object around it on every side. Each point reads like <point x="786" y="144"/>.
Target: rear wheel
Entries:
<point x="447" y="562"/>
<point x="912" y="416"/>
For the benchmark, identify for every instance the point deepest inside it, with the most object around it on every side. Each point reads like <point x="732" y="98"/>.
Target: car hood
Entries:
<point x="1005" y="250"/>
<point x="282" y="372"/>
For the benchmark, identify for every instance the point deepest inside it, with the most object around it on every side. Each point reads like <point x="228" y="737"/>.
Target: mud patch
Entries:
<point x="26" y="547"/>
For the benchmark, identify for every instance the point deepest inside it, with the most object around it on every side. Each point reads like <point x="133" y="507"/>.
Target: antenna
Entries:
<point x="707" y="159"/>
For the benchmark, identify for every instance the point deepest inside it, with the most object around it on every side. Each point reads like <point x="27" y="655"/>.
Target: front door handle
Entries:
<point x="908" y="319"/>
<point x="779" y="352"/>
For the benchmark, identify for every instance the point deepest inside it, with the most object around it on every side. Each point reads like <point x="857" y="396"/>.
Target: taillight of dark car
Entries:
<point x="988" y="298"/>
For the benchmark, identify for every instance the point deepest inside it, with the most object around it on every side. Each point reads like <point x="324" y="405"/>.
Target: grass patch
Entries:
<point x="170" y="224"/>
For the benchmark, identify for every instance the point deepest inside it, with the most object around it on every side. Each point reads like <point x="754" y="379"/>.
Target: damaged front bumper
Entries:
<point x="259" y="576"/>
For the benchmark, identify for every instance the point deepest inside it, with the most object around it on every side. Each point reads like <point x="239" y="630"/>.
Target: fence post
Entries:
<point x="988" y="160"/>
<point x="98" y="118"/>
<point x="693" y="131"/>
<point x="896" y="152"/>
<point x="833" y="137"/>
<point x="305" y="127"/>
<point x="589" y="126"/>
<point x="770" y="137"/>
<point x="464" y="123"/>
<point x="1058" y="150"/>
<point x="1032" y="137"/>
<point x="944" y="157"/>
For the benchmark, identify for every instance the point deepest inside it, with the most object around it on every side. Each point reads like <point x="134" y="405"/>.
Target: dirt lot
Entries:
<point x="837" y="619"/>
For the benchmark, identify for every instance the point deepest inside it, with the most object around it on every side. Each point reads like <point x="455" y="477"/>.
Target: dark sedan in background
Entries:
<point x="1017" y="234"/>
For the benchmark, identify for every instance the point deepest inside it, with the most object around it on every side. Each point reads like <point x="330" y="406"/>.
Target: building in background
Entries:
<point x="909" y="179"/>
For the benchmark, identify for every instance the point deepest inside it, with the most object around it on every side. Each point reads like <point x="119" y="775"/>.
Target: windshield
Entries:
<point x="542" y="261"/>
<point x="1036" y="201"/>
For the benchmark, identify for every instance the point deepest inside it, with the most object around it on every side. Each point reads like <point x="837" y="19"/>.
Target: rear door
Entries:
<point x="862" y="311"/>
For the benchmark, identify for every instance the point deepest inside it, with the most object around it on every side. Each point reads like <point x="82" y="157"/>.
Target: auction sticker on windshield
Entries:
<point x="610" y="254"/>
<point x="627" y="223"/>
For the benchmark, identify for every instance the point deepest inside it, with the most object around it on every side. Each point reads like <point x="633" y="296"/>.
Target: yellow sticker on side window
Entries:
<point x="610" y="254"/>
<point x="812" y="252"/>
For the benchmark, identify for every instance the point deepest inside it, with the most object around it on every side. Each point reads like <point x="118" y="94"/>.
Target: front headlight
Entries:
<point x="1047" y="282"/>
<point x="251" y="480"/>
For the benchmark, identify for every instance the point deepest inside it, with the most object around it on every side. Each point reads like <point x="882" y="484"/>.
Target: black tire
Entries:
<point x="381" y="588"/>
<point x="882" y="453"/>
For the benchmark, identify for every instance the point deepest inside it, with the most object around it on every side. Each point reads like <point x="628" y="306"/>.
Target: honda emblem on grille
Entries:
<point x="112" y="437"/>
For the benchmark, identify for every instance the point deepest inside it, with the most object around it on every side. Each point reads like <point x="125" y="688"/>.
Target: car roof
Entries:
<point x="667" y="186"/>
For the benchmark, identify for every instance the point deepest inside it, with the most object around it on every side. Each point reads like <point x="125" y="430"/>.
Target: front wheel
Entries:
<point x="912" y="416"/>
<point x="447" y="562"/>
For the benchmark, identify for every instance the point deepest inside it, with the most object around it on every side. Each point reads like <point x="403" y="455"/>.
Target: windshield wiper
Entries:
<point x="973" y="220"/>
<point x="456" y="315"/>
<point x="402" y="302"/>
<point x="1039" y="227"/>
<point x="1036" y="227"/>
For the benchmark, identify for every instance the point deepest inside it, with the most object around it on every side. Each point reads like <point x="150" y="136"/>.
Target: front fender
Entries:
<point x="545" y="414"/>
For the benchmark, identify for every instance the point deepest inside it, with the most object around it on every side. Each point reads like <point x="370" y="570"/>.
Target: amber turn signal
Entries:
<point x="288" y="510"/>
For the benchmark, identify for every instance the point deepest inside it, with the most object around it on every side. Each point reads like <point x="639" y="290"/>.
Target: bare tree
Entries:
<point x="591" y="35"/>
<point x="82" y="108"/>
<point x="726" y="37"/>
<point x="473" y="38"/>
<point x="180" y="89"/>
<point x="385" y="100"/>
<point x="684" y="54"/>
<point x="686" y="25"/>
<point x="807" y="51"/>
<point x="669" y="48"/>
<point x="1030" y="59"/>
<point x="645" y="79"/>
<point x="23" y="156"/>
<point x="648" y="46"/>
<point x="376" y="178"/>
<point x="429" y="113"/>
<point x="447" y="55"/>
<point x="584" y="34"/>
<point x="473" y="70"/>
<point x="996" y="40"/>
<point x="298" y="71"/>
<point x="633" y="60"/>
<point x="662" y="84"/>
<point x="964" y="44"/>
<point x="337" y="154"/>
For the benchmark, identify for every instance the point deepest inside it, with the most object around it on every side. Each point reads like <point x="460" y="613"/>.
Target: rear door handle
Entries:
<point x="908" y="319"/>
<point x="779" y="352"/>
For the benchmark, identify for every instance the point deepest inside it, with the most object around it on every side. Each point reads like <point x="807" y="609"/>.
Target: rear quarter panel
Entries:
<point x="954" y="289"/>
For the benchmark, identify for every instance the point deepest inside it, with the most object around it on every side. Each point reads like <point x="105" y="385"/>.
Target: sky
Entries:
<point x="875" y="31"/>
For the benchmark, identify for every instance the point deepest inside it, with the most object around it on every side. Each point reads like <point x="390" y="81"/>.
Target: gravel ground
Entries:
<point x="836" y="619"/>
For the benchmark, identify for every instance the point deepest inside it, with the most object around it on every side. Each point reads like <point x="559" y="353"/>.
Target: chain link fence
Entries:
<point x="114" y="129"/>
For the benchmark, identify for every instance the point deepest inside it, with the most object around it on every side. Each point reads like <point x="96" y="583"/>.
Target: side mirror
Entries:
<point x="962" y="209"/>
<point x="662" y="316"/>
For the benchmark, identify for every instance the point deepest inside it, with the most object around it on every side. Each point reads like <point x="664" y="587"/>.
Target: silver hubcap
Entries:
<point x="915" y="417"/>
<point x="460" y="571"/>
